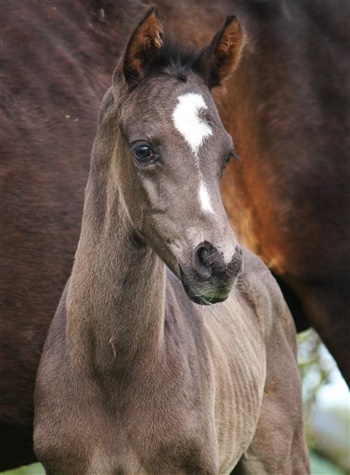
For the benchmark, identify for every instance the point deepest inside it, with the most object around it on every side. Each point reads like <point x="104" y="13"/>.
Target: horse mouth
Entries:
<point x="201" y="300"/>
<point x="204" y="293"/>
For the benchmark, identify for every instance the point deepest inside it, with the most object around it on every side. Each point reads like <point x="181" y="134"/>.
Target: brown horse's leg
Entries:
<point x="329" y="309"/>
<point x="16" y="444"/>
<point x="300" y="318"/>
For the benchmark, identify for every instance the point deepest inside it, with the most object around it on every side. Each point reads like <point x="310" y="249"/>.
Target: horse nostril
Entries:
<point x="206" y="259"/>
<point x="209" y="262"/>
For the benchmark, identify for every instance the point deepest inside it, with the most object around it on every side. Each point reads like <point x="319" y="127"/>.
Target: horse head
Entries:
<point x="171" y="151"/>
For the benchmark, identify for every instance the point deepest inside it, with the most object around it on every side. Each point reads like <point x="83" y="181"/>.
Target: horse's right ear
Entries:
<point x="218" y="60"/>
<point x="142" y="46"/>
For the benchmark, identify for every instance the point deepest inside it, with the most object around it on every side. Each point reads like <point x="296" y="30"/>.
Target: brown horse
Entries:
<point x="135" y="376"/>
<point x="287" y="198"/>
<point x="288" y="109"/>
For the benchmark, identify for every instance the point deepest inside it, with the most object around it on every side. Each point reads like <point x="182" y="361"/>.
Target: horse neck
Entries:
<point x="115" y="301"/>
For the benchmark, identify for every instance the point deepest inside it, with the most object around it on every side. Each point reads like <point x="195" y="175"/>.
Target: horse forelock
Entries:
<point x="173" y="59"/>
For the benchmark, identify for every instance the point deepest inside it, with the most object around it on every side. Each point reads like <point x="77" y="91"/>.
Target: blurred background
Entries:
<point x="326" y="407"/>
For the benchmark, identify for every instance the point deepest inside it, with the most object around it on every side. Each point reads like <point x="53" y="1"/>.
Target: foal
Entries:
<point x="135" y="376"/>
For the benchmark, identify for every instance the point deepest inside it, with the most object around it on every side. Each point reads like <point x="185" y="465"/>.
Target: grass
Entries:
<point x="319" y="466"/>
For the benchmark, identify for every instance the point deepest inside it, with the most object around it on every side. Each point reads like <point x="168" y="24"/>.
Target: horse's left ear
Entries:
<point x="142" y="46"/>
<point x="218" y="60"/>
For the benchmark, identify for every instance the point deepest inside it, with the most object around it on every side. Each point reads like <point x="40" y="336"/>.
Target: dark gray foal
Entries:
<point x="136" y="377"/>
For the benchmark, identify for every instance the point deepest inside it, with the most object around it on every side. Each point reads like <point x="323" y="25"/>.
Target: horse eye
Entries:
<point x="143" y="153"/>
<point x="232" y="154"/>
<point x="229" y="156"/>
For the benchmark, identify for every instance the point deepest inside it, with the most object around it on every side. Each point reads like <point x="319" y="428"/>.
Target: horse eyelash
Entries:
<point x="235" y="155"/>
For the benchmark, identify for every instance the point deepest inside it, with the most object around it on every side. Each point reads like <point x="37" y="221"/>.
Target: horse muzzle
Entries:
<point x="209" y="279"/>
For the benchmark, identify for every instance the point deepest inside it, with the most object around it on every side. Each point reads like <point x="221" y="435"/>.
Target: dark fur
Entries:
<point x="288" y="108"/>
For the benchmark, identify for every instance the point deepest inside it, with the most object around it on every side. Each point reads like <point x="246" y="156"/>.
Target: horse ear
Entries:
<point x="142" y="46"/>
<point x="219" y="59"/>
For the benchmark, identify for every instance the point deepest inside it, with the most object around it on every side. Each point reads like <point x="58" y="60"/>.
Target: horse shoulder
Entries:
<point x="281" y="401"/>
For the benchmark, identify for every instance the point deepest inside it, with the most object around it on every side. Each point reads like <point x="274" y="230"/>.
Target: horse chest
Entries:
<point x="167" y="429"/>
<point x="152" y="456"/>
<point x="134" y="432"/>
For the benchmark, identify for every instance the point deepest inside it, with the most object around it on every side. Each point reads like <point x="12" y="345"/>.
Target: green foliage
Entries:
<point x="327" y="426"/>
<point x="35" y="469"/>
<point x="315" y="367"/>
<point x="321" y="466"/>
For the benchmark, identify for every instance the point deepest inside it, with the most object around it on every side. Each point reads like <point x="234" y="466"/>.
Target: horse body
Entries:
<point x="150" y="381"/>
<point x="159" y="393"/>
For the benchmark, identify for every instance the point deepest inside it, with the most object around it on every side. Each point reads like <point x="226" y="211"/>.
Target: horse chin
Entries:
<point x="202" y="300"/>
<point x="203" y="294"/>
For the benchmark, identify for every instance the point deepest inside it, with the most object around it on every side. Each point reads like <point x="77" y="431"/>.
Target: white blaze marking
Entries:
<point x="194" y="129"/>
<point x="188" y="122"/>
<point x="205" y="199"/>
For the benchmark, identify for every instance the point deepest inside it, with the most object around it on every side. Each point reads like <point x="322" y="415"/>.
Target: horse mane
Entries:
<point x="175" y="60"/>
